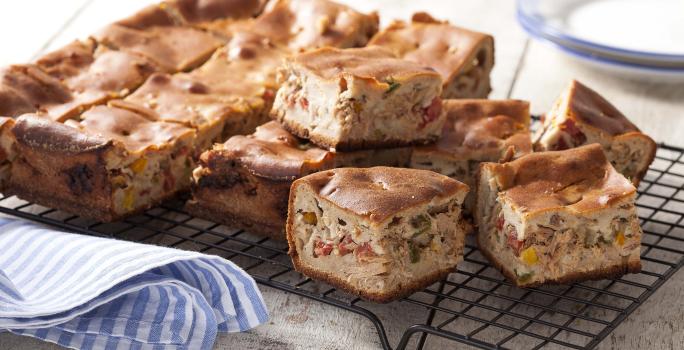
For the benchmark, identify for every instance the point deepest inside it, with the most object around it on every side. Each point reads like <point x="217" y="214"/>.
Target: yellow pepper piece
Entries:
<point x="529" y="256"/>
<point x="128" y="199"/>
<point x="139" y="165"/>
<point x="310" y="218"/>
<point x="620" y="239"/>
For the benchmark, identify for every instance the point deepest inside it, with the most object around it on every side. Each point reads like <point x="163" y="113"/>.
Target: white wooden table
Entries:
<point x="524" y="69"/>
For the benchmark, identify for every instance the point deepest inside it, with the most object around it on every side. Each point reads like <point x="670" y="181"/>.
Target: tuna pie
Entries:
<point x="463" y="57"/>
<point x="347" y="99"/>
<point x="581" y="116"/>
<point x="245" y="182"/>
<point x="380" y="233"/>
<point x="111" y="163"/>
<point x="558" y="217"/>
<point x="476" y="131"/>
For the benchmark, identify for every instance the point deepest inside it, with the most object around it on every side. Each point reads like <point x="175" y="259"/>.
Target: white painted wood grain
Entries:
<point x="27" y="26"/>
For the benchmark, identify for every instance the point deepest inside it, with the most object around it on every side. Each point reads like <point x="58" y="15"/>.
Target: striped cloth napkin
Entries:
<point x="87" y="292"/>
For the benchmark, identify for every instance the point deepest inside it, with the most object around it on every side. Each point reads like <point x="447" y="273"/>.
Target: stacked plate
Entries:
<point x="636" y="37"/>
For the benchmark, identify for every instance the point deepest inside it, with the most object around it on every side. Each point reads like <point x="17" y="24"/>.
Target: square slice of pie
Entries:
<point x="346" y="99"/>
<point x="581" y="116"/>
<point x="94" y="74"/>
<point x="380" y="233"/>
<point x="245" y="181"/>
<point x="463" y="57"/>
<point x="156" y="34"/>
<point x="476" y="131"/>
<point x="306" y="24"/>
<point x="110" y="164"/>
<point x="558" y="217"/>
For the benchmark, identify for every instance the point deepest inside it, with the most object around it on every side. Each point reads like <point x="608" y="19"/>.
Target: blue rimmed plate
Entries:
<point x="637" y="34"/>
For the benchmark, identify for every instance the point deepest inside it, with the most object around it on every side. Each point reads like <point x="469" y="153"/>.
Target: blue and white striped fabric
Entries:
<point x="87" y="292"/>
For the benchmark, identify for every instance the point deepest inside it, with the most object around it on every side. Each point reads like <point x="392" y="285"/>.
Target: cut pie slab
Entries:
<point x="25" y="88"/>
<point x="346" y="99"/>
<point x="245" y="182"/>
<point x="94" y="74"/>
<point x="581" y="116"/>
<point x="380" y="233"/>
<point x="157" y="35"/>
<point x="179" y="99"/>
<point x="558" y="217"/>
<point x="476" y="131"/>
<point x="306" y="24"/>
<point x="463" y="57"/>
<point x="110" y="164"/>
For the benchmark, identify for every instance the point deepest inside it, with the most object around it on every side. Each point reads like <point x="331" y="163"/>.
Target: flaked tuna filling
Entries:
<point x="150" y="177"/>
<point x="555" y="245"/>
<point x="473" y="82"/>
<point x="412" y="245"/>
<point x="348" y="111"/>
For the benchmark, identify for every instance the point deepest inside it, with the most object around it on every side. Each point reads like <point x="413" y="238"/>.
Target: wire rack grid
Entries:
<point x="474" y="306"/>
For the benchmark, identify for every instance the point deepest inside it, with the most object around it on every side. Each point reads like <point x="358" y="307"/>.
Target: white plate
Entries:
<point x="646" y="33"/>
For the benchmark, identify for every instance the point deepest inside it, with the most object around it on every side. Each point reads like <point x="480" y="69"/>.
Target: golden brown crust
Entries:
<point x="224" y="187"/>
<point x="611" y="272"/>
<point x="305" y="24"/>
<point x="131" y="129"/>
<point x="27" y="89"/>
<point x="153" y="15"/>
<point x="271" y="152"/>
<point x="378" y="193"/>
<point x="587" y="106"/>
<point x="348" y="145"/>
<point x="249" y="58"/>
<point x="580" y="179"/>
<point x="446" y="48"/>
<point x="94" y="75"/>
<point x="475" y="126"/>
<point x="374" y="64"/>
<point x="173" y="48"/>
<point x="40" y="133"/>
<point x="391" y="295"/>
<point x="199" y="11"/>
<point x="179" y="99"/>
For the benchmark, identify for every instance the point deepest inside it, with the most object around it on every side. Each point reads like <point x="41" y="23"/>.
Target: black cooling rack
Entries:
<point x="473" y="306"/>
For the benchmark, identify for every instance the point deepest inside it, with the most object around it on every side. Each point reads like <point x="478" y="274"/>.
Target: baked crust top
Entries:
<point x="133" y="130"/>
<point x="303" y="24"/>
<point x="368" y="63"/>
<point x="248" y="58"/>
<point x="87" y="69"/>
<point x="379" y="193"/>
<point x="579" y="179"/>
<point x="587" y="106"/>
<point x="27" y="89"/>
<point x="445" y="47"/>
<point x="482" y="125"/>
<point x="39" y="132"/>
<point x="176" y="98"/>
<point x="274" y="153"/>
<point x="198" y="11"/>
<point x="174" y="48"/>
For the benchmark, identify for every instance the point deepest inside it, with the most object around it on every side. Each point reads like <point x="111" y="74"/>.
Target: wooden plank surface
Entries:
<point x="300" y="323"/>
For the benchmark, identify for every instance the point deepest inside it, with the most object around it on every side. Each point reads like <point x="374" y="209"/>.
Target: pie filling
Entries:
<point x="377" y="257"/>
